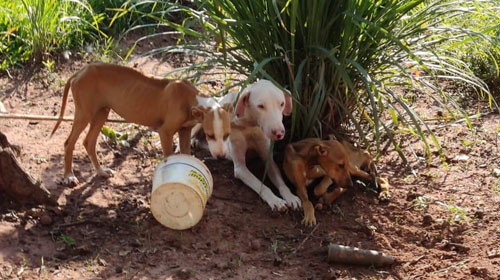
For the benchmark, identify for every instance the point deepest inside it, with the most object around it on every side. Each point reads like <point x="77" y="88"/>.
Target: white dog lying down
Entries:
<point x="258" y="119"/>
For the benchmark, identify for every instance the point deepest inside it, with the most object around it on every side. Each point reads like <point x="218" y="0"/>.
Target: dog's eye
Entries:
<point x="210" y="136"/>
<point x="225" y="136"/>
<point x="282" y="104"/>
<point x="261" y="106"/>
<point x="341" y="166"/>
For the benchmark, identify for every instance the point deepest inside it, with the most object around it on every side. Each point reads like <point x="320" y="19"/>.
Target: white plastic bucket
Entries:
<point x="182" y="184"/>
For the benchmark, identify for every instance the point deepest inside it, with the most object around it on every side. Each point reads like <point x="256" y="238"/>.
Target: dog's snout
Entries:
<point x="219" y="157"/>
<point x="278" y="134"/>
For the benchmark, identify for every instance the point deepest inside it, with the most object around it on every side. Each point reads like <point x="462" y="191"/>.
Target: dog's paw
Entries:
<point x="384" y="196"/>
<point x="309" y="221"/>
<point x="105" y="172"/>
<point x="292" y="201"/>
<point x="278" y="204"/>
<point x="309" y="217"/>
<point x="272" y="200"/>
<point x="70" y="180"/>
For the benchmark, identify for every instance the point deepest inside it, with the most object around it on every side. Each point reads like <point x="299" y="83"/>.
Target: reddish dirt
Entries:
<point x="439" y="224"/>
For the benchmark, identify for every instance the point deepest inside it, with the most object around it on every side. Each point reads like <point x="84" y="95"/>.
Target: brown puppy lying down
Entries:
<point x="169" y="106"/>
<point x="313" y="158"/>
<point x="363" y="166"/>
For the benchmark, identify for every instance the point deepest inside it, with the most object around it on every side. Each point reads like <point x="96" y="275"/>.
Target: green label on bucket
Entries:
<point x="199" y="177"/>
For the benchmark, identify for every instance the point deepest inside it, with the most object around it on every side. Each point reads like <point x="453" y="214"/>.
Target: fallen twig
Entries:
<point x="454" y="120"/>
<point x="77" y="223"/>
<point x="461" y="120"/>
<point x="306" y="238"/>
<point x="46" y="118"/>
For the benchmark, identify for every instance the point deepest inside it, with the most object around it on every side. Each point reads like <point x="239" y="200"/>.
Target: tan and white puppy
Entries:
<point x="216" y="124"/>
<point x="258" y="119"/>
<point x="169" y="106"/>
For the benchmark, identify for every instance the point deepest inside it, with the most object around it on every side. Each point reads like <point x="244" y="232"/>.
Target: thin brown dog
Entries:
<point x="313" y="158"/>
<point x="163" y="104"/>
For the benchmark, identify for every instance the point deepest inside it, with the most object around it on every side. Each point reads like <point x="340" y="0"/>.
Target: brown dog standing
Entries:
<point x="169" y="106"/>
<point x="313" y="158"/>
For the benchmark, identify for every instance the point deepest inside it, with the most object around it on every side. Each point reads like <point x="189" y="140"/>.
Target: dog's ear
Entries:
<point x="198" y="112"/>
<point x="242" y="103"/>
<point x="228" y="107"/>
<point x="288" y="103"/>
<point x="321" y="150"/>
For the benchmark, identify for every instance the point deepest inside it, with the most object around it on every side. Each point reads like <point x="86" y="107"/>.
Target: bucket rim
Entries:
<point x="193" y="158"/>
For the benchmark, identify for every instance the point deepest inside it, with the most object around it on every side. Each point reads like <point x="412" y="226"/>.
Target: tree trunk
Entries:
<point x="15" y="182"/>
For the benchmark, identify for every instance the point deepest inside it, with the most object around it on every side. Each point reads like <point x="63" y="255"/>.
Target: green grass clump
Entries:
<point x="482" y="52"/>
<point x="37" y="28"/>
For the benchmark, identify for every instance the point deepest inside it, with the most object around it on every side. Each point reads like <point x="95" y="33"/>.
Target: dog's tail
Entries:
<point x="63" y="106"/>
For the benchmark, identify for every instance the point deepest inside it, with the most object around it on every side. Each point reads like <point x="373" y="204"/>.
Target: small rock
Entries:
<point x="66" y="55"/>
<point x="46" y="219"/>
<point x="427" y="219"/>
<point x="496" y="172"/>
<point x="461" y="157"/>
<point x="493" y="253"/>
<point x="101" y="262"/>
<point x="112" y="214"/>
<point x="255" y="244"/>
<point x="118" y="269"/>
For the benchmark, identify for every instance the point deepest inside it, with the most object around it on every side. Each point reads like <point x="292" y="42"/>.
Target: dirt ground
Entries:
<point x="439" y="224"/>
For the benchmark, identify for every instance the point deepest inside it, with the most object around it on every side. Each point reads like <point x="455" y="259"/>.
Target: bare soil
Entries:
<point x="439" y="224"/>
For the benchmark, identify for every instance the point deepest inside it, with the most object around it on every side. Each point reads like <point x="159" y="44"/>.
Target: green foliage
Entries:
<point x="482" y="53"/>
<point x="66" y="239"/>
<point x="115" y="137"/>
<point x="37" y="28"/>
<point x="341" y="60"/>
<point x="456" y="213"/>
<point x="34" y="29"/>
<point x="118" y="15"/>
